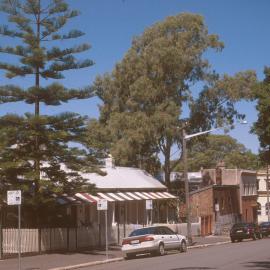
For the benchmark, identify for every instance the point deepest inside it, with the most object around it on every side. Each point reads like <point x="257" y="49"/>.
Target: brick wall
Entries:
<point x="228" y="200"/>
<point x="201" y="202"/>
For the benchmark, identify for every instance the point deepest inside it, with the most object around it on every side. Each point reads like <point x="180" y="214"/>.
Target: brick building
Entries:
<point x="225" y="197"/>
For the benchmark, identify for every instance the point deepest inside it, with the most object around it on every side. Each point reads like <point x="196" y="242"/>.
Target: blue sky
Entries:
<point x="110" y="26"/>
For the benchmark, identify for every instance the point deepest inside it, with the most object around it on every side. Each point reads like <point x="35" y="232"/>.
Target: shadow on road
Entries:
<point x="147" y="255"/>
<point x="192" y="268"/>
<point x="261" y="265"/>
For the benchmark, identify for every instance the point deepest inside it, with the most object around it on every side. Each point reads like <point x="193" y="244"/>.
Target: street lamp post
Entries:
<point x="184" y="149"/>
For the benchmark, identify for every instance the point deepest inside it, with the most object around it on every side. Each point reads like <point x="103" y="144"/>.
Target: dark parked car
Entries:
<point x="240" y="231"/>
<point x="265" y="228"/>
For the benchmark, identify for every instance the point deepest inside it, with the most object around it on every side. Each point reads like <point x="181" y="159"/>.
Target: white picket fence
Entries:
<point x="29" y="240"/>
<point x="51" y="239"/>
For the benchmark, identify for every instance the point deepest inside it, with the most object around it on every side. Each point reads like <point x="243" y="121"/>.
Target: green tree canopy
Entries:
<point x="37" y="156"/>
<point x="262" y="126"/>
<point x="145" y="95"/>
<point x="209" y="151"/>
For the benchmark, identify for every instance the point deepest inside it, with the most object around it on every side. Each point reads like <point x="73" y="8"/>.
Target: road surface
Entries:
<point x="253" y="255"/>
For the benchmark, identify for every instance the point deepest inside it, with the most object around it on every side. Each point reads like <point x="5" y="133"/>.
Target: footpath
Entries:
<point x="68" y="261"/>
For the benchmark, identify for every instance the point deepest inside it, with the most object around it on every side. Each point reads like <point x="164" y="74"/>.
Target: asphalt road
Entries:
<point x="253" y="255"/>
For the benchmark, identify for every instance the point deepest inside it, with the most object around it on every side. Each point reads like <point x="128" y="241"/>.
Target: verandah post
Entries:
<point x="67" y="238"/>
<point x="39" y="240"/>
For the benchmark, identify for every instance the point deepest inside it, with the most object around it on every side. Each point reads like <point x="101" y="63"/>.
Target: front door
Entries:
<point x="254" y="214"/>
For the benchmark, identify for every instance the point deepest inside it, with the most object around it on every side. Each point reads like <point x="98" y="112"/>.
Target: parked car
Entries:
<point x="241" y="231"/>
<point x="153" y="240"/>
<point x="265" y="228"/>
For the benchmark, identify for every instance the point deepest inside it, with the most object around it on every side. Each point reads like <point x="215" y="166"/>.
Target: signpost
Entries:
<point x="102" y="205"/>
<point x="14" y="197"/>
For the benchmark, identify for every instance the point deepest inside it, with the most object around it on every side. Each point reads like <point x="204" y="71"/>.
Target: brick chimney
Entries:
<point x="219" y="168"/>
<point x="109" y="162"/>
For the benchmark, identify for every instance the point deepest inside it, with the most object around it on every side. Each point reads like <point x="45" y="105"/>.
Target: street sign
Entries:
<point x="14" y="197"/>
<point x="149" y="204"/>
<point x="102" y="204"/>
<point x="217" y="207"/>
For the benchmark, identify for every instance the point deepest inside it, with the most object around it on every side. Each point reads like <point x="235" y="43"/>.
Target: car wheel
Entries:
<point x="129" y="256"/>
<point x="161" y="249"/>
<point x="233" y="240"/>
<point x="183" y="246"/>
<point x="153" y="253"/>
<point x="240" y="240"/>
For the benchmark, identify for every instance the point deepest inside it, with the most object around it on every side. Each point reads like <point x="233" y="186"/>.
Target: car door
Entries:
<point x="173" y="238"/>
<point x="164" y="237"/>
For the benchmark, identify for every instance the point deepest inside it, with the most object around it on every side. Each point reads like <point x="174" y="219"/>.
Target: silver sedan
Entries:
<point x="153" y="240"/>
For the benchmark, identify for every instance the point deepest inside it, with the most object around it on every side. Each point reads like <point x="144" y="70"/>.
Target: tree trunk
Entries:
<point x="37" y="113"/>
<point x="37" y="161"/>
<point x="167" y="163"/>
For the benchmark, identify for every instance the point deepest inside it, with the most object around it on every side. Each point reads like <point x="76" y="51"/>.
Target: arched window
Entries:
<point x="259" y="209"/>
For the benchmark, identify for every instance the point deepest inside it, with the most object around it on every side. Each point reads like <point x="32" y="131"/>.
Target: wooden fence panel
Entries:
<point x="87" y="237"/>
<point x="56" y="239"/>
<point x="29" y="241"/>
<point x="72" y="245"/>
<point x="59" y="238"/>
<point x="45" y="244"/>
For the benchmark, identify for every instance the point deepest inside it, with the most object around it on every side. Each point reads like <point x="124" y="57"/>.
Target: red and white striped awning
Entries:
<point x="86" y="197"/>
<point x="124" y="196"/>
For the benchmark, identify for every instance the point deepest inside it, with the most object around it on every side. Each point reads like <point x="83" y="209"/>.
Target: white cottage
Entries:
<point x="128" y="191"/>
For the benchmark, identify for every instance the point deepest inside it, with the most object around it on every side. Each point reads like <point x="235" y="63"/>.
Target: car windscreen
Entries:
<point x="142" y="231"/>
<point x="240" y="225"/>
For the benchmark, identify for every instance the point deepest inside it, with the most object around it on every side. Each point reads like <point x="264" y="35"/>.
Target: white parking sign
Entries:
<point x="102" y="204"/>
<point x="149" y="204"/>
<point x="14" y="197"/>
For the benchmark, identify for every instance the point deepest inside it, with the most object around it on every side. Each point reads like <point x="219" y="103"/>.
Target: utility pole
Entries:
<point x="184" y="145"/>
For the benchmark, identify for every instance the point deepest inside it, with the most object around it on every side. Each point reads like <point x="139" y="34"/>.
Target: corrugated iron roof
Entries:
<point x="124" y="178"/>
